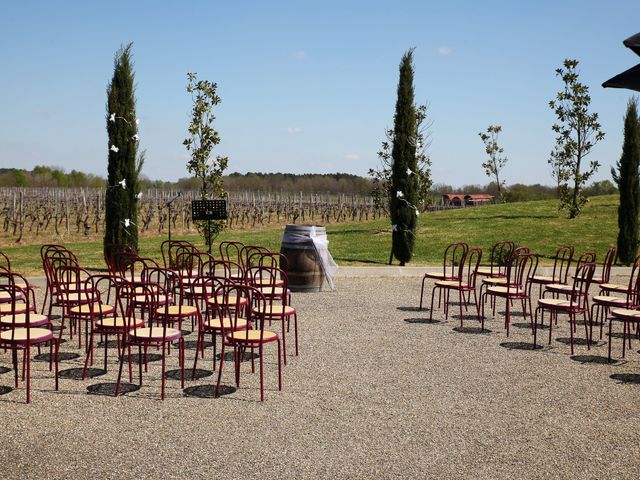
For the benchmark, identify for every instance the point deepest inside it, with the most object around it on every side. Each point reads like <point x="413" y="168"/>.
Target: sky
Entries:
<point x="309" y="87"/>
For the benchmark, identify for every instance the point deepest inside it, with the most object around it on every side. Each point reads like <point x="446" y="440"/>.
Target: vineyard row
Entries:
<point x="57" y="212"/>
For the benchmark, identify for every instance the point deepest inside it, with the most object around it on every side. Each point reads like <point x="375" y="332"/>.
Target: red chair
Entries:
<point x="272" y="283"/>
<point x="628" y="317"/>
<point x="522" y="268"/>
<point x="222" y="314"/>
<point x="606" y="266"/>
<point x="465" y="283"/>
<point x="453" y="255"/>
<point x="631" y="300"/>
<point x="22" y="328"/>
<point x="242" y="339"/>
<point x="566" y="288"/>
<point x="576" y="303"/>
<point x="157" y="334"/>
<point x="560" y="273"/>
<point x="499" y="258"/>
<point x="231" y="251"/>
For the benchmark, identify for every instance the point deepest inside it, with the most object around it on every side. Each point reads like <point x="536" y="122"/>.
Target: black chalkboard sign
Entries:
<point x="209" y="210"/>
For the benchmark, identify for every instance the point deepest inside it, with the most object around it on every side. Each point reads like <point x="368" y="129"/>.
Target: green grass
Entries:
<point x="538" y="225"/>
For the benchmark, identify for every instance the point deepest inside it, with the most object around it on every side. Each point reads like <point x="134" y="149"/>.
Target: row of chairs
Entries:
<point x="143" y="305"/>
<point x="511" y="275"/>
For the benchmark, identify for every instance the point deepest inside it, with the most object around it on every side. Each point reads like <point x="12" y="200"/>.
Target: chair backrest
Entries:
<point x="472" y="262"/>
<point x="229" y="302"/>
<point x="586" y="257"/>
<point x="633" y="289"/>
<point x="579" y="296"/>
<point x="111" y="250"/>
<point x="267" y="259"/>
<point x="189" y="263"/>
<point x="150" y="294"/>
<point x="561" y="264"/>
<point x="521" y="268"/>
<point x="246" y="253"/>
<point x="228" y="269"/>
<point x="454" y="256"/>
<point x="231" y="251"/>
<point x="499" y="257"/>
<point x="168" y="280"/>
<point x="608" y="263"/>
<point x="19" y="312"/>
<point x="4" y="261"/>
<point x="168" y="250"/>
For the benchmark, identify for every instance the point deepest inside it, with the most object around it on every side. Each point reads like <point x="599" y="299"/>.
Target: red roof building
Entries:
<point x="466" y="200"/>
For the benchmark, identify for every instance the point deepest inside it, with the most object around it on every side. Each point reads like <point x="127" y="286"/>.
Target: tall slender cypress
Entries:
<point x="628" y="185"/>
<point x="403" y="197"/>
<point x="121" y="210"/>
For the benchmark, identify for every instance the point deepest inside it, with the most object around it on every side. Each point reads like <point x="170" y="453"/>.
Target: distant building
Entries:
<point x="466" y="200"/>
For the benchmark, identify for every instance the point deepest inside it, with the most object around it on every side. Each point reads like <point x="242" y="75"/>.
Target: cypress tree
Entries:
<point x="403" y="197"/>
<point x="628" y="185"/>
<point x="121" y="209"/>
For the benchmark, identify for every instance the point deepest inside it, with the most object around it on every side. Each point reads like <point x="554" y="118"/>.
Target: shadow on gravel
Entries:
<point x="520" y="346"/>
<point x="616" y="335"/>
<point x="207" y="391"/>
<point x="411" y="309"/>
<point x="175" y="374"/>
<point x="151" y="357"/>
<point x="576" y="341"/>
<point x="421" y="320"/>
<point x="191" y="344"/>
<point x="76" y="373"/>
<point x="200" y="373"/>
<point x="528" y="325"/>
<point x="109" y="389"/>
<point x="472" y="330"/>
<point x="62" y="356"/>
<point x="593" y="359"/>
<point x="4" y="370"/>
<point x="630" y="378"/>
<point x="4" y="390"/>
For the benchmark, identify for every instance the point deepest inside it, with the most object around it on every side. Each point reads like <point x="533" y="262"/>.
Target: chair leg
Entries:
<point x="220" y="370"/>
<point x="609" y="357"/>
<point x="260" y="351"/>
<point x="422" y="292"/>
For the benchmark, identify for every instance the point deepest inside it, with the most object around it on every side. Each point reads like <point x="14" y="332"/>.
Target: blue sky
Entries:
<point x="308" y="87"/>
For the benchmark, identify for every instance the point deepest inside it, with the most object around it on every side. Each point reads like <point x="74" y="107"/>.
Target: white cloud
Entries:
<point x="352" y="156"/>
<point x="300" y="55"/>
<point x="294" y="130"/>
<point x="444" y="51"/>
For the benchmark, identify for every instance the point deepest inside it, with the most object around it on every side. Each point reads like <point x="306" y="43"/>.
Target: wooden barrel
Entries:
<point x="303" y="265"/>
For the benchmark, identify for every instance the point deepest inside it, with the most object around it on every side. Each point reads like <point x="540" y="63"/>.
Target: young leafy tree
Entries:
<point x="496" y="161"/>
<point x="201" y="142"/>
<point x="627" y="180"/>
<point x="404" y="186"/>
<point x="121" y="206"/>
<point x="577" y="133"/>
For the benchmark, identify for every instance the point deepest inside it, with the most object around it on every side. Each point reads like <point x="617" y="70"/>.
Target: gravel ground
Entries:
<point x="376" y="391"/>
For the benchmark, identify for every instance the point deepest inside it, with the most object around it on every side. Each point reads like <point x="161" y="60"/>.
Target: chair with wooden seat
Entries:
<point x="517" y="287"/>
<point x="464" y="284"/>
<point x="157" y="333"/>
<point x="70" y="290"/>
<point x="605" y="273"/>
<point x="498" y="259"/>
<point x="566" y="288"/>
<point x="560" y="272"/>
<point x="222" y="313"/>
<point x="172" y="307"/>
<point x="454" y="253"/>
<point x="251" y="338"/>
<point x="631" y="300"/>
<point x="628" y="317"/>
<point x="273" y="284"/>
<point x="576" y="303"/>
<point x="21" y="328"/>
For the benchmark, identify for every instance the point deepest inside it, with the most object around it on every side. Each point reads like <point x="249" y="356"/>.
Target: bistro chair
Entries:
<point x="157" y="334"/>
<point x="576" y="303"/>
<point x="522" y="267"/>
<point x="464" y="284"/>
<point x="251" y="338"/>
<point x="498" y="260"/>
<point x="22" y="328"/>
<point x="560" y="273"/>
<point x="454" y="254"/>
<point x="631" y="300"/>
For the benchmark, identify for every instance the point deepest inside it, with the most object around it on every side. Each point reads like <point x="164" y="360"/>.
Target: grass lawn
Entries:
<point x="538" y="225"/>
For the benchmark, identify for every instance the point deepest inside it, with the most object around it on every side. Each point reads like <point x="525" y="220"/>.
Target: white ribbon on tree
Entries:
<point x="321" y="246"/>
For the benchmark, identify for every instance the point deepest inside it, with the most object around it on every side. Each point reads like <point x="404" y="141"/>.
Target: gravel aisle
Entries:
<point x="376" y="391"/>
